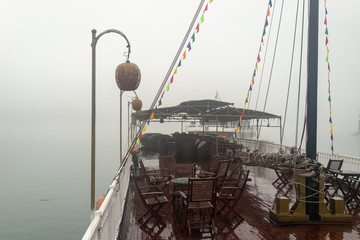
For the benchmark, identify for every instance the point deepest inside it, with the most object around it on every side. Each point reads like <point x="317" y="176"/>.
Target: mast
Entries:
<point x="312" y="85"/>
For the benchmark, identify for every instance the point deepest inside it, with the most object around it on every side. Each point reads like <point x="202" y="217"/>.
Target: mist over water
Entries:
<point x="45" y="182"/>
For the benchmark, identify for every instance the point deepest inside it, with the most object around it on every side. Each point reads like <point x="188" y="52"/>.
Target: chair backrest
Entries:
<point x="241" y="183"/>
<point x="184" y="170"/>
<point x="142" y="167"/>
<point x="166" y="164"/>
<point x="144" y="172"/>
<point x="335" y="164"/>
<point x="202" y="189"/>
<point x="222" y="169"/>
<point x="213" y="163"/>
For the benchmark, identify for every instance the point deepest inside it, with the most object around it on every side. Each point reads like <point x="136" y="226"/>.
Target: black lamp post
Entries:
<point x="128" y="78"/>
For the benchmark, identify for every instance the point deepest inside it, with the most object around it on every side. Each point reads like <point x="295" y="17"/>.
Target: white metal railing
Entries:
<point x="350" y="162"/>
<point x="106" y="221"/>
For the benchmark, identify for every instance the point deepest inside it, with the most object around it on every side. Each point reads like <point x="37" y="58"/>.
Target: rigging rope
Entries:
<point x="272" y="65"/>
<point x="301" y="51"/>
<point x="289" y="84"/>
<point x="262" y="70"/>
<point x="267" y="44"/>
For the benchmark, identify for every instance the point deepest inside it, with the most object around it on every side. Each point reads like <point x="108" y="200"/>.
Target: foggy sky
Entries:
<point x="45" y="87"/>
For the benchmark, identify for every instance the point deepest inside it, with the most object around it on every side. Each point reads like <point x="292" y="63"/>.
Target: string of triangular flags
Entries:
<point x="258" y="60"/>
<point x="327" y="61"/>
<point x="181" y="60"/>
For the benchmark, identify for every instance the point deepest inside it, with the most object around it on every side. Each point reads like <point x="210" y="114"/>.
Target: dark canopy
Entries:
<point x="207" y="109"/>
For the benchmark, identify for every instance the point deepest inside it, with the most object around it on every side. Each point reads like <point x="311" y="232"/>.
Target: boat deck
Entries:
<point x="256" y="201"/>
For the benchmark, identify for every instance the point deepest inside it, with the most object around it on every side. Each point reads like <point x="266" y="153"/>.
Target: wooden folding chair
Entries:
<point x="200" y="203"/>
<point x="331" y="181"/>
<point x="220" y="173"/>
<point x="153" y="202"/>
<point x="184" y="170"/>
<point x="229" y="196"/>
<point x="283" y="175"/>
<point x="153" y="179"/>
<point x="166" y="164"/>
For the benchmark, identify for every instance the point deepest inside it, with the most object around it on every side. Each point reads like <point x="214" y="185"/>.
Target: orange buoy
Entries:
<point x="99" y="202"/>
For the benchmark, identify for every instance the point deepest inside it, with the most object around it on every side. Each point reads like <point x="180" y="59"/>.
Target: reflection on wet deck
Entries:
<point x="254" y="207"/>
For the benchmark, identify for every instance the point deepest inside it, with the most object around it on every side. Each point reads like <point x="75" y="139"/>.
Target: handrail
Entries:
<point x="106" y="221"/>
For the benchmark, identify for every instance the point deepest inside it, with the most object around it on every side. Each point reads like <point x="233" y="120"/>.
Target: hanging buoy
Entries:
<point x="136" y="104"/>
<point x="99" y="202"/>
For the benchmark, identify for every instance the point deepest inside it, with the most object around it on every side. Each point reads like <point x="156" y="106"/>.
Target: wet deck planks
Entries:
<point x="257" y="200"/>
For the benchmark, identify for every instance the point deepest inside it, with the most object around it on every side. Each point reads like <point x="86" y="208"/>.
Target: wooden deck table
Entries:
<point x="176" y="185"/>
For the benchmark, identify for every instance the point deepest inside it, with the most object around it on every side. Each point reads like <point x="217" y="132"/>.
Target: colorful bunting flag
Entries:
<point x="206" y="8"/>
<point x="197" y="28"/>
<point x="168" y="87"/>
<point x="326" y="31"/>
<point x="202" y="18"/>
<point x="140" y="136"/>
<point x="152" y="115"/>
<point x="162" y="95"/>
<point x="237" y="130"/>
<point x="148" y="122"/>
<point x="159" y="102"/>
<point x="175" y="71"/>
<point x="179" y="65"/>
<point x="266" y="23"/>
<point x="326" y="41"/>
<point x="327" y="58"/>
<point x="270" y="3"/>
<point x="252" y="81"/>
<point x="189" y="46"/>
<point x="258" y="58"/>
<point x="246" y="101"/>
<point x="254" y="74"/>
<point x="211" y="1"/>
<point x="268" y="13"/>
<point x="184" y="55"/>
<point x="144" y="130"/>
<point x="193" y="37"/>
<point x="325" y="22"/>
<point x="264" y="32"/>
<point x="138" y="141"/>
<point x="329" y="99"/>
<point x="172" y="79"/>
<point x="250" y="88"/>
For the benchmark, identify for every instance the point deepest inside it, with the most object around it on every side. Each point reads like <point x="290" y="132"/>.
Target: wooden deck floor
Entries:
<point x="257" y="200"/>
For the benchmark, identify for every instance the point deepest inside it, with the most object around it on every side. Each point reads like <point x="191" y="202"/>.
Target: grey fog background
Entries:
<point x="45" y="90"/>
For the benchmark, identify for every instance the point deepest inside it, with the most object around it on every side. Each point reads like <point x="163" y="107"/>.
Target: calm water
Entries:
<point x="45" y="183"/>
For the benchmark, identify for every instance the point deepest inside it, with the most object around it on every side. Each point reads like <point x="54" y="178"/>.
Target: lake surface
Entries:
<point x="45" y="183"/>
